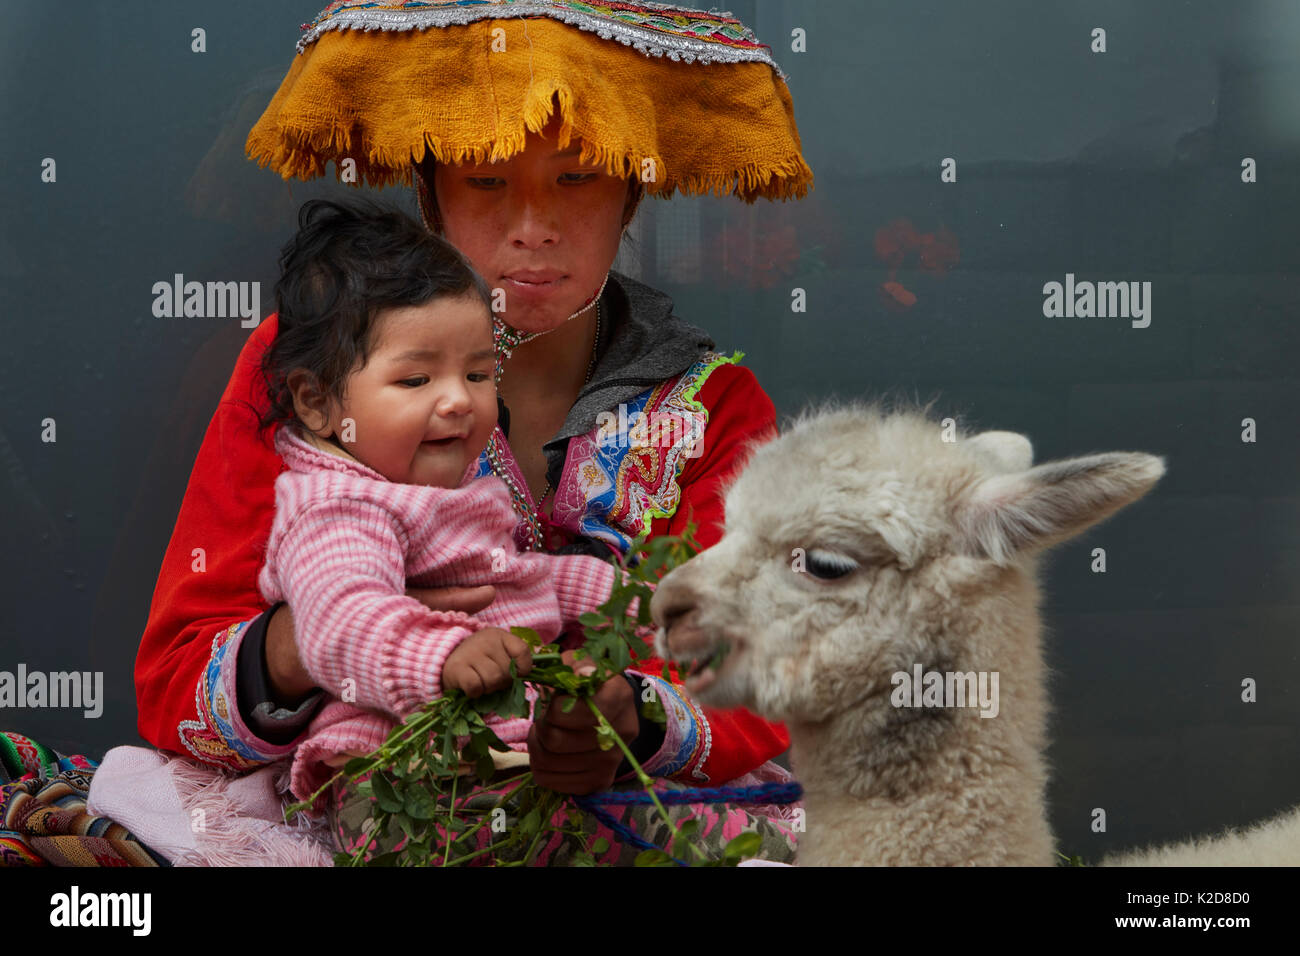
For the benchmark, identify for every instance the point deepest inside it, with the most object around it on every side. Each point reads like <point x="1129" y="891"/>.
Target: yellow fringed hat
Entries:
<point x="682" y="99"/>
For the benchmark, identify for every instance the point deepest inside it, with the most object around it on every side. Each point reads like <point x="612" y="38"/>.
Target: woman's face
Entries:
<point x="542" y="226"/>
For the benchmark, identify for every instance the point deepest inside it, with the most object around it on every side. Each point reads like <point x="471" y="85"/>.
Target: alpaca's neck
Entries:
<point x="968" y="790"/>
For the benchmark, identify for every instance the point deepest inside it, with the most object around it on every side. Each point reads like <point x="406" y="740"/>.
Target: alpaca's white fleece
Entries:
<point x="941" y="531"/>
<point x="1274" y="842"/>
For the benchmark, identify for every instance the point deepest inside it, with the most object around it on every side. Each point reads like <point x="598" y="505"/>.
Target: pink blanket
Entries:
<point x="197" y="815"/>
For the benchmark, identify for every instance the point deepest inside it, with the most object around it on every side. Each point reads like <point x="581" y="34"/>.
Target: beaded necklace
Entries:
<point x="508" y="339"/>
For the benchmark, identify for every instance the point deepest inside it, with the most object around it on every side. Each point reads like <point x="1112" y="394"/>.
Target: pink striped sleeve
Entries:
<point x="581" y="583"/>
<point x="342" y="570"/>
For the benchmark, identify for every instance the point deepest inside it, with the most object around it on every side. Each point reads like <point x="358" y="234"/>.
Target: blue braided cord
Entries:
<point x="764" y="793"/>
<point x="628" y="836"/>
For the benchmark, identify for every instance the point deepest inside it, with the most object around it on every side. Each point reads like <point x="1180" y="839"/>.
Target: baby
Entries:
<point x="382" y="392"/>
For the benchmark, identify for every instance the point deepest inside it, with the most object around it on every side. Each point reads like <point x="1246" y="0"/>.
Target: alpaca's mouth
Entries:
<point x="699" y="674"/>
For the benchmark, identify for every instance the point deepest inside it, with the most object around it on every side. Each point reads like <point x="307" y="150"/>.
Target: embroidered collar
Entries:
<point x="643" y="344"/>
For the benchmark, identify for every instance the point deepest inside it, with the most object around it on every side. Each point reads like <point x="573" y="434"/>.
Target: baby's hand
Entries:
<point x="481" y="664"/>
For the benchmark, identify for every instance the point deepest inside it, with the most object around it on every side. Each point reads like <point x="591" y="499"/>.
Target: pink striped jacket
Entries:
<point x="344" y="545"/>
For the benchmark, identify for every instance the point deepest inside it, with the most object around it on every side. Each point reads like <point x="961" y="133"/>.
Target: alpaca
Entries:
<point x="871" y="569"/>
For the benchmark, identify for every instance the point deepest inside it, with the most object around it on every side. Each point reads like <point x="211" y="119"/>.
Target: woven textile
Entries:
<point x="683" y="100"/>
<point x="43" y="818"/>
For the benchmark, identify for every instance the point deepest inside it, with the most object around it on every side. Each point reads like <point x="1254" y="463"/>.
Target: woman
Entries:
<point x="217" y="674"/>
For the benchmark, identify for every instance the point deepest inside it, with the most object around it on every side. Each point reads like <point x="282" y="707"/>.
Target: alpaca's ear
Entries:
<point x="1009" y="514"/>
<point x="1001" y="451"/>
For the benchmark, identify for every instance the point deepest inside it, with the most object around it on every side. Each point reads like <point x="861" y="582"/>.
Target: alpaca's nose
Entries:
<point x="672" y="600"/>
<point x="675" y="609"/>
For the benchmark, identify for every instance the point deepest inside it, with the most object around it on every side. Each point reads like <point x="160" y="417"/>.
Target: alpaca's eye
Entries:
<point x="828" y="565"/>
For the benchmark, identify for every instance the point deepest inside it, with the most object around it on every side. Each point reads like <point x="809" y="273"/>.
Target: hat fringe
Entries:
<point x="663" y="126"/>
<point x="300" y="157"/>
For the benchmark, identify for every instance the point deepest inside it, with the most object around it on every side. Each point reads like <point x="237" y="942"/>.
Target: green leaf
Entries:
<point x="417" y="853"/>
<point x="532" y="821"/>
<point x="356" y="765"/>
<point x="599" y="846"/>
<point x="515" y="702"/>
<point x="420" y="804"/>
<point x="652" y="563"/>
<point x="568" y="682"/>
<point x="654" y="710"/>
<point x="617" y="604"/>
<point x="489" y="703"/>
<point x="530" y="637"/>
<point x="384" y="794"/>
<point x="406" y="824"/>
<point x="745" y="845"/>
<point x="652" y="858"/>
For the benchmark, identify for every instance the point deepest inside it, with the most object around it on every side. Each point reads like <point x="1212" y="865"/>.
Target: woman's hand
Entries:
<point x="290" y="682"/>
<point x="562" y="748"/>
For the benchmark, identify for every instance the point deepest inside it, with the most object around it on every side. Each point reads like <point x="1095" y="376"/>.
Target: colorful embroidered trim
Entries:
<point x="213" y="738"/>
<point x="687" y="738"/>
<point x="682" y="396"/>
<point x="613" y="484"/>
<point x="611" y="487"/>
<point x="656" y="29"/>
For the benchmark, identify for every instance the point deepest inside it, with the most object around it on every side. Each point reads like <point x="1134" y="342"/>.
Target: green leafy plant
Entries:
<point x="424" y="775"/>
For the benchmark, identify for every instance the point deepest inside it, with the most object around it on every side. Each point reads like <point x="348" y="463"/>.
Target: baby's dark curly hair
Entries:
<point x="349" y="261"/>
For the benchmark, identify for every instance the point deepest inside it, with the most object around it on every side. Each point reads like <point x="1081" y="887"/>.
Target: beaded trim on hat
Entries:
<point x="656" y="29"/>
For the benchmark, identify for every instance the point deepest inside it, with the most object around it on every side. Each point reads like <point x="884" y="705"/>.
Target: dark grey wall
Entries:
<point x="1119" y="166"/>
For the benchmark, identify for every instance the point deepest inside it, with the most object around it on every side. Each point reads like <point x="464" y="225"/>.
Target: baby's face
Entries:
<point x="425" y="404"/>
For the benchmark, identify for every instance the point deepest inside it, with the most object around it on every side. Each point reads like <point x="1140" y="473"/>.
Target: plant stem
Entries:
<point x="470" y="856"/>
<point x="646" y="782"/>
<point x="548" y="806"/>
<point x="358" y="857"/>
<point x="451" y="815"/>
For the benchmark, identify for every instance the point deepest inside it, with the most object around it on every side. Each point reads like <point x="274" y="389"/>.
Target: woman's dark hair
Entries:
<point x="348" y="261"/>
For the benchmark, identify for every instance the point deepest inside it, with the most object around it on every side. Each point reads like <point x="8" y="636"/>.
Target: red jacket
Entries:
<point x="207" y="588"/>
